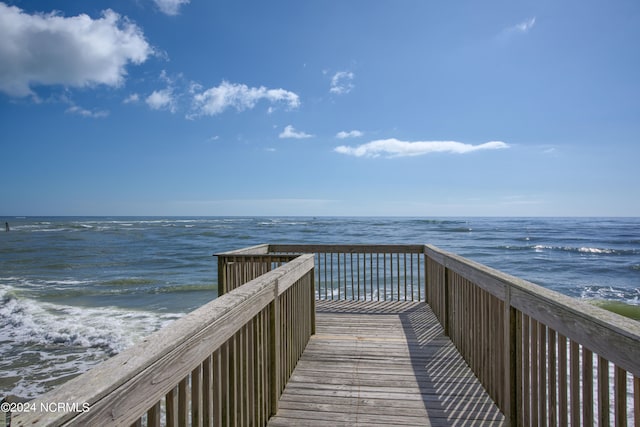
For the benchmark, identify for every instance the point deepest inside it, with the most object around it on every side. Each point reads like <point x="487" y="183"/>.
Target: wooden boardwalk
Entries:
<point x="545" y="358"/>
<point x="382" y="363"/>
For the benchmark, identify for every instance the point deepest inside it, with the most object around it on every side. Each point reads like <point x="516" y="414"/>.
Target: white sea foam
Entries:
<point x="60" y="340"/>
<point x="584" y="250"/>
<point x="27" y="321"/>
<point x="66" y="282"/>
<point x="34" y="283"/>
<point x="629" y="296"/>
<point x="596" y="251"/>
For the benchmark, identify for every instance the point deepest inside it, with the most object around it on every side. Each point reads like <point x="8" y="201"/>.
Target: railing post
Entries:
<point x="426" y="276"/>
<point x="222" y="279"/>
<point x="312" y="297"/>
<point x="512" y="353"/>
<point x="274" y="344"/>
<point x="445" y="306"/>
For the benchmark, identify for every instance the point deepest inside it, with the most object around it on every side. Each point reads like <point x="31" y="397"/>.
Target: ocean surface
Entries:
<point x="77" y="290"/>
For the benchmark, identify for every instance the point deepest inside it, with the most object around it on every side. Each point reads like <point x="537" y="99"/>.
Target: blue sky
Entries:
<point x="333" y="107"/>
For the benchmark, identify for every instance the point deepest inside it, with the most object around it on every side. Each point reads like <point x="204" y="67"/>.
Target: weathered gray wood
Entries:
<point x="349" y="249"/>
<point x="382" y="363"/>
<point x="123" y="388"/>
<point x="183" y="402"/>
<point x="251" y="250"/>
<point x="603" y="392"/>
<point x="615" y="338"/>
<point x="274" y="356"/>
<point x="492" y="281"/>
<point x="604" y="332"/>
<point x="172" y="407"/>
<point x="153" y="416"/>
<point x="207" y="391"/>
<point x="620" y="382"/>
<point x="163" y="358"/>
<point x="636" y="400"/>
<point x="304" y="263"/>
<point x="512" y="363"/>
<point x="196" y="396"/>
<point x="504" y="327"/>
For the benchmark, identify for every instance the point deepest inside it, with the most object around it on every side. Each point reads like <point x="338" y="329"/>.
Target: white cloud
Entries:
<point x="215" y="100"/>
<point x="521" y="27"/>
<point x="525" y="26"/>
<point x="74" y="109"/>
<point x="161" y="100"/>
<point x="342" y="82"/>
<point x="170" y="7"/>
<point x="132" y="99"/>
<point x="350" y="134"/>
<point x="290" y="132"/>
<point x="395" y="148"/>
<point x="78" y="51"/>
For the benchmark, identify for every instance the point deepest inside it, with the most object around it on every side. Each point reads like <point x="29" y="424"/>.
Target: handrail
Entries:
<point x="543" y="357"/>
<point x="227" y="362"/>
<point x="351" y="248"/>
<point x="533" y="348"/>
<point x="236" y="268"/>
<point x="345" y="272"/>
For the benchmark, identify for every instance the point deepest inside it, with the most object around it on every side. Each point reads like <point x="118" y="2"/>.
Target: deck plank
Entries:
<point x="382" y="363"/>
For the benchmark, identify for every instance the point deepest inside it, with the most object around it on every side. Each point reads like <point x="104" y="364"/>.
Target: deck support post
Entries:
<point x="274" y="350"/>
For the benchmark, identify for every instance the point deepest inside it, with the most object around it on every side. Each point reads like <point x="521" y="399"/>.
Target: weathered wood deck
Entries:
<point x="373" y="353"/>
<point x="382" y="363"/>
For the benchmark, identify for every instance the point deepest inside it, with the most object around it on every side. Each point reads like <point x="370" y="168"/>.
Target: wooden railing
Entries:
<point x="236" y="268"/>
<point x="224" y="364"/>
<point x="544" y="358"/>
<point x="343" y="272"/>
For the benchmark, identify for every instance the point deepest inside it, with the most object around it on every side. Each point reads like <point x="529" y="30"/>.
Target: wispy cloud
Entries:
<point x="170" y="7"/>
<point x="162" y="100"/>
<point x="76" y="51"/>
<point x="168" y="98"/>
<point x="217" y="99"/>
<point x="342" y="82"/>
<point x="521" y="200"/>
<point x="520" y="28"/>
<point x="99" y="114"/>
<point x="525" y="26"/>
<point x="290" y="132"/>
<point x="396" y="148"/>
<point x="349" y="134"/>
<point x="131" y="99"/>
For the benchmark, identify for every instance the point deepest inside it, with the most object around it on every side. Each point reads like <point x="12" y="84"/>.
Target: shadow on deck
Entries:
<point x="382" y="363"/>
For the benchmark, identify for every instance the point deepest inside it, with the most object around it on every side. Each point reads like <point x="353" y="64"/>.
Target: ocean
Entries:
<point x="77" y="290"/>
